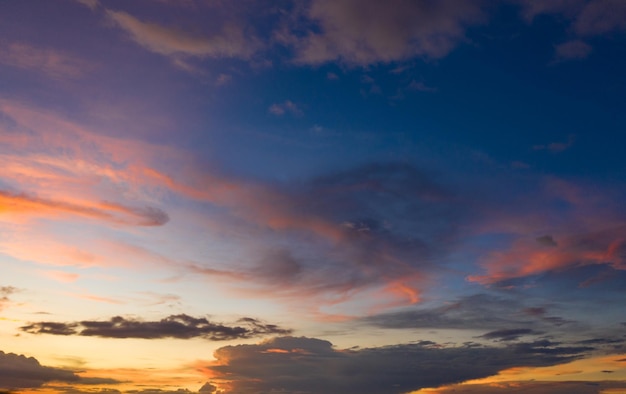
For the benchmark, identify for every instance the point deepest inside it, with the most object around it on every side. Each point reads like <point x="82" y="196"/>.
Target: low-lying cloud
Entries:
<point x="175" y="326"/>
<point x="309" y="365"/>
<point x="20" y="372"/>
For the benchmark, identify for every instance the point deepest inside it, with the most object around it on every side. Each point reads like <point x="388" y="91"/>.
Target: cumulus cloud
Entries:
<point x="361" y="33"/>
<point x="21" y="372"/>
<point x="175" y="326"/>
<point x="309" y="365"/>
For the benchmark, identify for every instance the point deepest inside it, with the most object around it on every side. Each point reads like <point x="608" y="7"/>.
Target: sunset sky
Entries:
<point x="312" y="196"/>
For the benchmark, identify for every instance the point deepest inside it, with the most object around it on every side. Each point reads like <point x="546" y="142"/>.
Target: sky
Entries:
<point x="312" y="196"/>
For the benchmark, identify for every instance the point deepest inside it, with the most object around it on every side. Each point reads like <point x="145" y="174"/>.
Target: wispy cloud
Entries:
<point x="556" y="147"/>
<point x="5" y="292"/>
<point x="285" y="107"/>
<point x="230" y="42"/>
<point x="575" y="49"/>
<point x="116" y="213"/>
<point x="47" y="61"/>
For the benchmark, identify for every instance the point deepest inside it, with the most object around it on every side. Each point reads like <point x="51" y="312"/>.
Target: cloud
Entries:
<point x="310" y="365"/>
<point x="398" y="222"/>
<point x="208" y="388"/>
<point x="116" y="213"/>
<point x="174" y="326"/>
<point x="231" y="41"/>
<point x="21" y="372"/>
<point x="288" y="106"/>
<point x="5" y="292"/>
<point x="601" y="16"/>
<point x="91" y="4"/>
<point x="359" y="33"/>
<point x="588" y="19"/>
<point x="546" y="240"/>
<point x="421" y="87"/>
<point x="524" y="258"/>
<point x="575" y="49"/>
<point x="560" y="387"/>
<point x="556" y="147"/>
<point x="509" y="334"/>
<point x="507" y="315"/>
<point x="47" y="61"/>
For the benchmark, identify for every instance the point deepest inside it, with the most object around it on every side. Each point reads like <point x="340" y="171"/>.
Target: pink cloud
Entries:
<point x="230" y="42"/>
<point x="363" y="33"/>
<point x="50" y="62"/>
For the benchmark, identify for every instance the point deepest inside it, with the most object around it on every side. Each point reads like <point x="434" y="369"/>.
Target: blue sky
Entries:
<point x="312" y="196"/>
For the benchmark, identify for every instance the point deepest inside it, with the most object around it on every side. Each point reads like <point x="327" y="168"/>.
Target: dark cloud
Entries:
<point x="546" y="240"/>
<point x="508" y="335"/>
<point x="208" y="388"/>
<point x="174" y="326"/>
<point x="21" y="372"/>
<point x="308" y="365"/>
<point x="547" y="347"/>
<point x="535" y="388"/>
